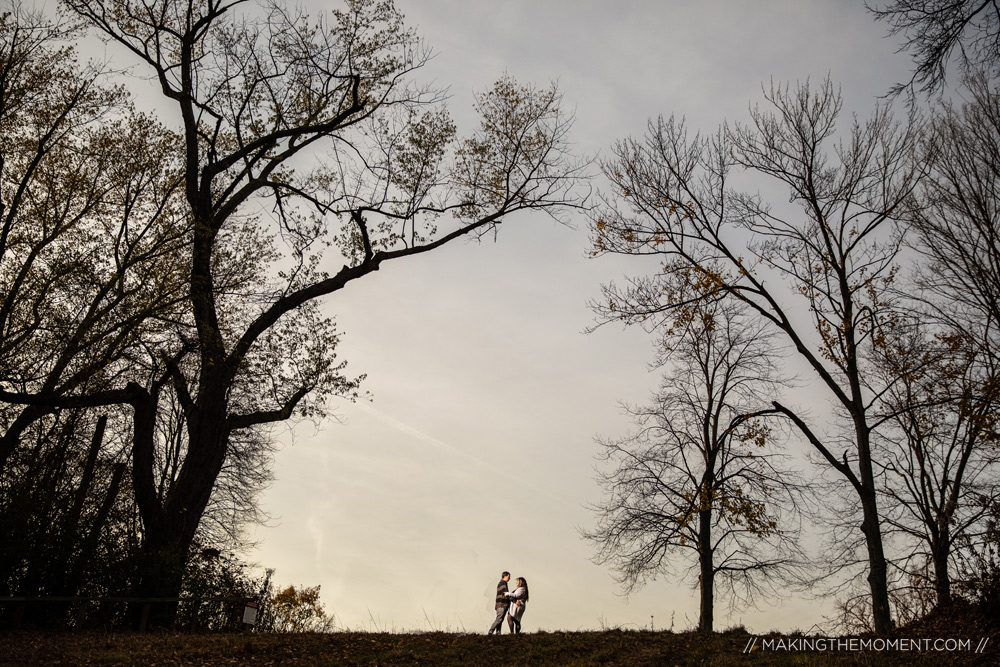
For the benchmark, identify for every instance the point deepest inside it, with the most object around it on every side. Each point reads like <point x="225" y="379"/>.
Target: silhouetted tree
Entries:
<point x="259" y="98"/>
<point x="940" y="474"/>
<point x="701" y="475"/>
<point x="818" y="271"/>
<point x="938" y="32"/>
<point x="956" y="223"/>
<point x="88" y="236"/>
<point x="945" y="405"/>
<point x="90" y="247"/>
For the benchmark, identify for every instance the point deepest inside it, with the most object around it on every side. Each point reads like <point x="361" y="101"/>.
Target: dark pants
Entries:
<point x="498" y="623"/>
<point x="514" y="622"/>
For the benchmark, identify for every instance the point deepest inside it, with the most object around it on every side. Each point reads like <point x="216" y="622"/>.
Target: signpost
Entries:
<point x="250" y="612"/>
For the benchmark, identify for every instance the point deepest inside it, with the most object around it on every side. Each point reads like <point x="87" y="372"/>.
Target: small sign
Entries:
<point x="250" y="613"/>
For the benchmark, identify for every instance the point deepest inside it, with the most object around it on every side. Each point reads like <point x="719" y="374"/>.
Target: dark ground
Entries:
<point x="612" y="647"/>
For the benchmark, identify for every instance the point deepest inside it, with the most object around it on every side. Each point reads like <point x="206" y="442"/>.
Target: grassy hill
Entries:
<point x="613" y="647"/>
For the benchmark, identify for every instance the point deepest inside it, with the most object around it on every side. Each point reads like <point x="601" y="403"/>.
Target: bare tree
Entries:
<point x="818" y="271"/>
<point x="957" y="223"/>
<point x="701" y="474"/>
<point x="945" y="406"/>
<point x="939" y="471"/>
<point x="936" y="32"/>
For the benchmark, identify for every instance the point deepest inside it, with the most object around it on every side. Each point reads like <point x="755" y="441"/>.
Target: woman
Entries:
<point x="519" y="600"/>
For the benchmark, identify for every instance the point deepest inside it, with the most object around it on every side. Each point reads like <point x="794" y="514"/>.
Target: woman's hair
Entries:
<point x="521" y="581"/>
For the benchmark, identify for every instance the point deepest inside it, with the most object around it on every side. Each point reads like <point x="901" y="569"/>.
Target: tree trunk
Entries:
<point x="72" y="521"/>
<point x="88" y="545"/>
<point x="72" y="577"/>
<point x="161" y="573"/>
<point x="707" y="579"/>
<point x="942" y="580"/>
<point x="170" y="525"/>
<point x="878" y="579"/>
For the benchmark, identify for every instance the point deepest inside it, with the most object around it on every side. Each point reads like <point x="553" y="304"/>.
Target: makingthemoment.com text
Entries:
<point x="829" y="644"/>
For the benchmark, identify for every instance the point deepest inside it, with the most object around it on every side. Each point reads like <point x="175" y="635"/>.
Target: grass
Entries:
<point x="609" y="647"/>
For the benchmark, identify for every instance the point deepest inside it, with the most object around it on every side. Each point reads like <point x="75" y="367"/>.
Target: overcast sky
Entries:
<point x="476" y="454"/>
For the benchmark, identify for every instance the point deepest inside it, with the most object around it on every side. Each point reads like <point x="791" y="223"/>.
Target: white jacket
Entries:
<point x="517" y="610"/>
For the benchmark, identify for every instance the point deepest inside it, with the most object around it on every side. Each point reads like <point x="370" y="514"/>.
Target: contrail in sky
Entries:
<point x="419" y="435"/>
<point x="451" y="449"/>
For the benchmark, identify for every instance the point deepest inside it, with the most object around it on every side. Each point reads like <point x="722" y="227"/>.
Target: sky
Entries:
<point x="476" y="453"/>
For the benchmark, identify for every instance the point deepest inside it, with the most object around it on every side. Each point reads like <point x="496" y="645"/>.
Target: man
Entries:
<point x="502" y="604"/>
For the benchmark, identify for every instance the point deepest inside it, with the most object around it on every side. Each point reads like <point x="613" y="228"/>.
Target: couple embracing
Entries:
<point x="510" y="604"/>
